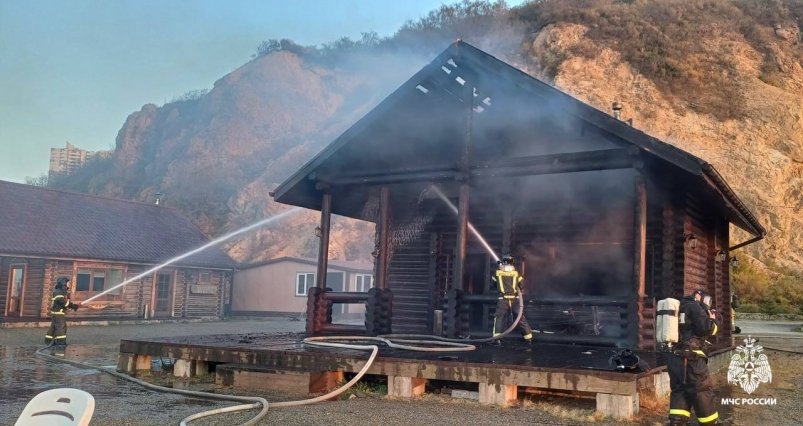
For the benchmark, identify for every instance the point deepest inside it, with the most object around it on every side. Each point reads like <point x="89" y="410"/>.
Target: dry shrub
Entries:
<point x="676" y="43"/>
<point x="567" y="410"/>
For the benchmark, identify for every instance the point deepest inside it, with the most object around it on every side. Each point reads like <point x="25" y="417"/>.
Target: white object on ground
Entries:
<point x="58" y="407"/>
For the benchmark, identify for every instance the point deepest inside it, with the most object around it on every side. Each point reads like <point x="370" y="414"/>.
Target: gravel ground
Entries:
<point x="23" y="375"/>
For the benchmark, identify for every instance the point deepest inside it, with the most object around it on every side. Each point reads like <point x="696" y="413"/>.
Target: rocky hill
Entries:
<point x="721" y="79"/>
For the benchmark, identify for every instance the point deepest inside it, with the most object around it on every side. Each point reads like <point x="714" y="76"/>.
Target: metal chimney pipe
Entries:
<point x="617" y="110"/>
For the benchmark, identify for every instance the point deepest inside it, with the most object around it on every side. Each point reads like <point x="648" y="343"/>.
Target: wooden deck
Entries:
<point x="499" y="371"/>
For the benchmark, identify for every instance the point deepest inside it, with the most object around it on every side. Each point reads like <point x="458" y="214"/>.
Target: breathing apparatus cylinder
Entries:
<point x="667" y="331"/>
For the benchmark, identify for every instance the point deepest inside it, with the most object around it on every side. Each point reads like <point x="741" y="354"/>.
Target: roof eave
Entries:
<point x="748" y="221"/>
<point x="283" y="194"/>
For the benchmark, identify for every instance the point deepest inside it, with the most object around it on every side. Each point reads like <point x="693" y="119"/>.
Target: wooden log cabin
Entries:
<point x="98" y="243"/>
<point x="604" y="218"/>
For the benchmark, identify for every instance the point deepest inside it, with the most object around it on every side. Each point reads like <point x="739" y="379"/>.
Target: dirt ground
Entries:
<point x="23" y="375"/>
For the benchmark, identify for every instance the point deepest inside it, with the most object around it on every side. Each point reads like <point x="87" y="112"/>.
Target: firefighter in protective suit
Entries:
<point x="508" y="281"/>
<point x="57" y="333"/>
<point x="689" y="380"/>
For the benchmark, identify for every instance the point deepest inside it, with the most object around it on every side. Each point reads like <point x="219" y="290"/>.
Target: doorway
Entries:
<point x="163" y="295"/>
<point x="16" y="290"/>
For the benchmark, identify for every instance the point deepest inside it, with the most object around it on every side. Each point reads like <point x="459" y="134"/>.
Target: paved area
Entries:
<point x="23" y="375"/>
<point x="773" y="334"/>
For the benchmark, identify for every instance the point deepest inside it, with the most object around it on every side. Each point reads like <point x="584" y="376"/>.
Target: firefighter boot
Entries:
<point x="678" y="422"/>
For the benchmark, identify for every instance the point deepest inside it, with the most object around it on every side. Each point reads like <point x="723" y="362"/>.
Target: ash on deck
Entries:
<point x="282" y="358"/>
<point x="271" y="347"/>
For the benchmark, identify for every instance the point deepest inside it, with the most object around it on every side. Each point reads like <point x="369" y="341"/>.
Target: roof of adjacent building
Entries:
<point x="342" y="265"/>
<point x="440" y="86"/>
<point x="44" y="222"/>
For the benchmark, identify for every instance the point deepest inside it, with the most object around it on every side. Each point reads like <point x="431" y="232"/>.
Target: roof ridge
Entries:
<point x="84" y="194"/>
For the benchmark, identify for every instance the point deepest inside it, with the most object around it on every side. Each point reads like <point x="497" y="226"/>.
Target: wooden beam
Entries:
<point x="497" y="394"/>
<point x="183" y="368"/>
<point x="462" y="237"/>
<point x="406" y="387"/>
<point x="559" y="163"/>
<point x="640" y="238"/>
<point x="439" y="175"/>
<point x="639" y="325"/>
<point x="566" y="158"/>
<point x="617" y="406"/>
<point x="261" y="379"/>
<point x="323" y="248"/>
<point x="383" y="257"/>
<point x="142" y="362"/>
<point x="606" y="159"/>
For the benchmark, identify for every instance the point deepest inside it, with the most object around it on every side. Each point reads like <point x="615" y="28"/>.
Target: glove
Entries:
<point x="75" y="306"/>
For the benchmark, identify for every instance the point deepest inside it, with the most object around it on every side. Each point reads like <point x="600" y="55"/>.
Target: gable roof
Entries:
<point x="45" y="222"/>
<point x="404" y="108"/>
<point x="343" y="265"/>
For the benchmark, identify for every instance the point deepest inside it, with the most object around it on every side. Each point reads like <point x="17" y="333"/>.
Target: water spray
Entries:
<point x="424" y="343"/>
<point x="470" y="226"/>
<point x="192" y="252"/>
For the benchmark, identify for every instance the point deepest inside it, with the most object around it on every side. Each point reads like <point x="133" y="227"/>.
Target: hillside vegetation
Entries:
<point x="721" y="79"/>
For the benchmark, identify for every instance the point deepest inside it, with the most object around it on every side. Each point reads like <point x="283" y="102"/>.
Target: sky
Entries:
<point x="73" y="70"/>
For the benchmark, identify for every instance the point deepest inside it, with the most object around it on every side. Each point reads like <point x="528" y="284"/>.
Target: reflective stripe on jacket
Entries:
<point x="508" y="282"/>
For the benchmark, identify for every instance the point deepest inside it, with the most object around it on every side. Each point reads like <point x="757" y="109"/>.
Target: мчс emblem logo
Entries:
<point x="749" y="366"/>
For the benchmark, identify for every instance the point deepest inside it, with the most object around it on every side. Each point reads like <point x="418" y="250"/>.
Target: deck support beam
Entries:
<point x="324" y="381"/>
<point x="498" y="394"/>
<point x="406" y="387"/>
<point x="617" y="406"/>
<point x="142" y="362"/>
<point x="184" y="368"/>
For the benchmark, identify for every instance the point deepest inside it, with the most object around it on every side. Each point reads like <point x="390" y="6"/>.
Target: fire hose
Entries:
<point x="396" y="341"/>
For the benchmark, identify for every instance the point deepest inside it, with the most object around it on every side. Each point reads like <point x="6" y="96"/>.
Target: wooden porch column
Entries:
<point x="462" y="202"/>
<point x="462" y="237"/>
<point x="640" y="239"/>
<point x="383" y="228"/>
<point x="639" y="265"/>
<point x="323" y="248"/>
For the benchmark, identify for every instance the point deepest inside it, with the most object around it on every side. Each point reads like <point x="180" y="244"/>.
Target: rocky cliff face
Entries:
<point x="760" y="155"/>
<point x="216" y="156"/>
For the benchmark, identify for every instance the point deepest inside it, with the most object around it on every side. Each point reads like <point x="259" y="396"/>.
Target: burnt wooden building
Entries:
<point x="604" y="218"/>
<point x="98" y="243"/>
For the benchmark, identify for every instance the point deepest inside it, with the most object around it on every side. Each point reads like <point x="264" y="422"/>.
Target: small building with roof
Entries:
<point x="472" y="158"/>
<point x="279" y="286"/>
<point x="98" y="243"/>
<point x="466" y="161"/>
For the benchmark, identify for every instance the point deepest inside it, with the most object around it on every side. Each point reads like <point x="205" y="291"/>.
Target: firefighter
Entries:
<point x="508" y="281"/>
<point x="687" y="363"/>
<point x="57" y="333"/>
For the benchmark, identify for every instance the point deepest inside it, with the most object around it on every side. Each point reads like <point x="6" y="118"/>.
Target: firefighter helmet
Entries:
<point x="625" y="359"/>
<point x="61" y="283"/>
<point x="696" y="292"/>
<point x="506" y="263"/>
